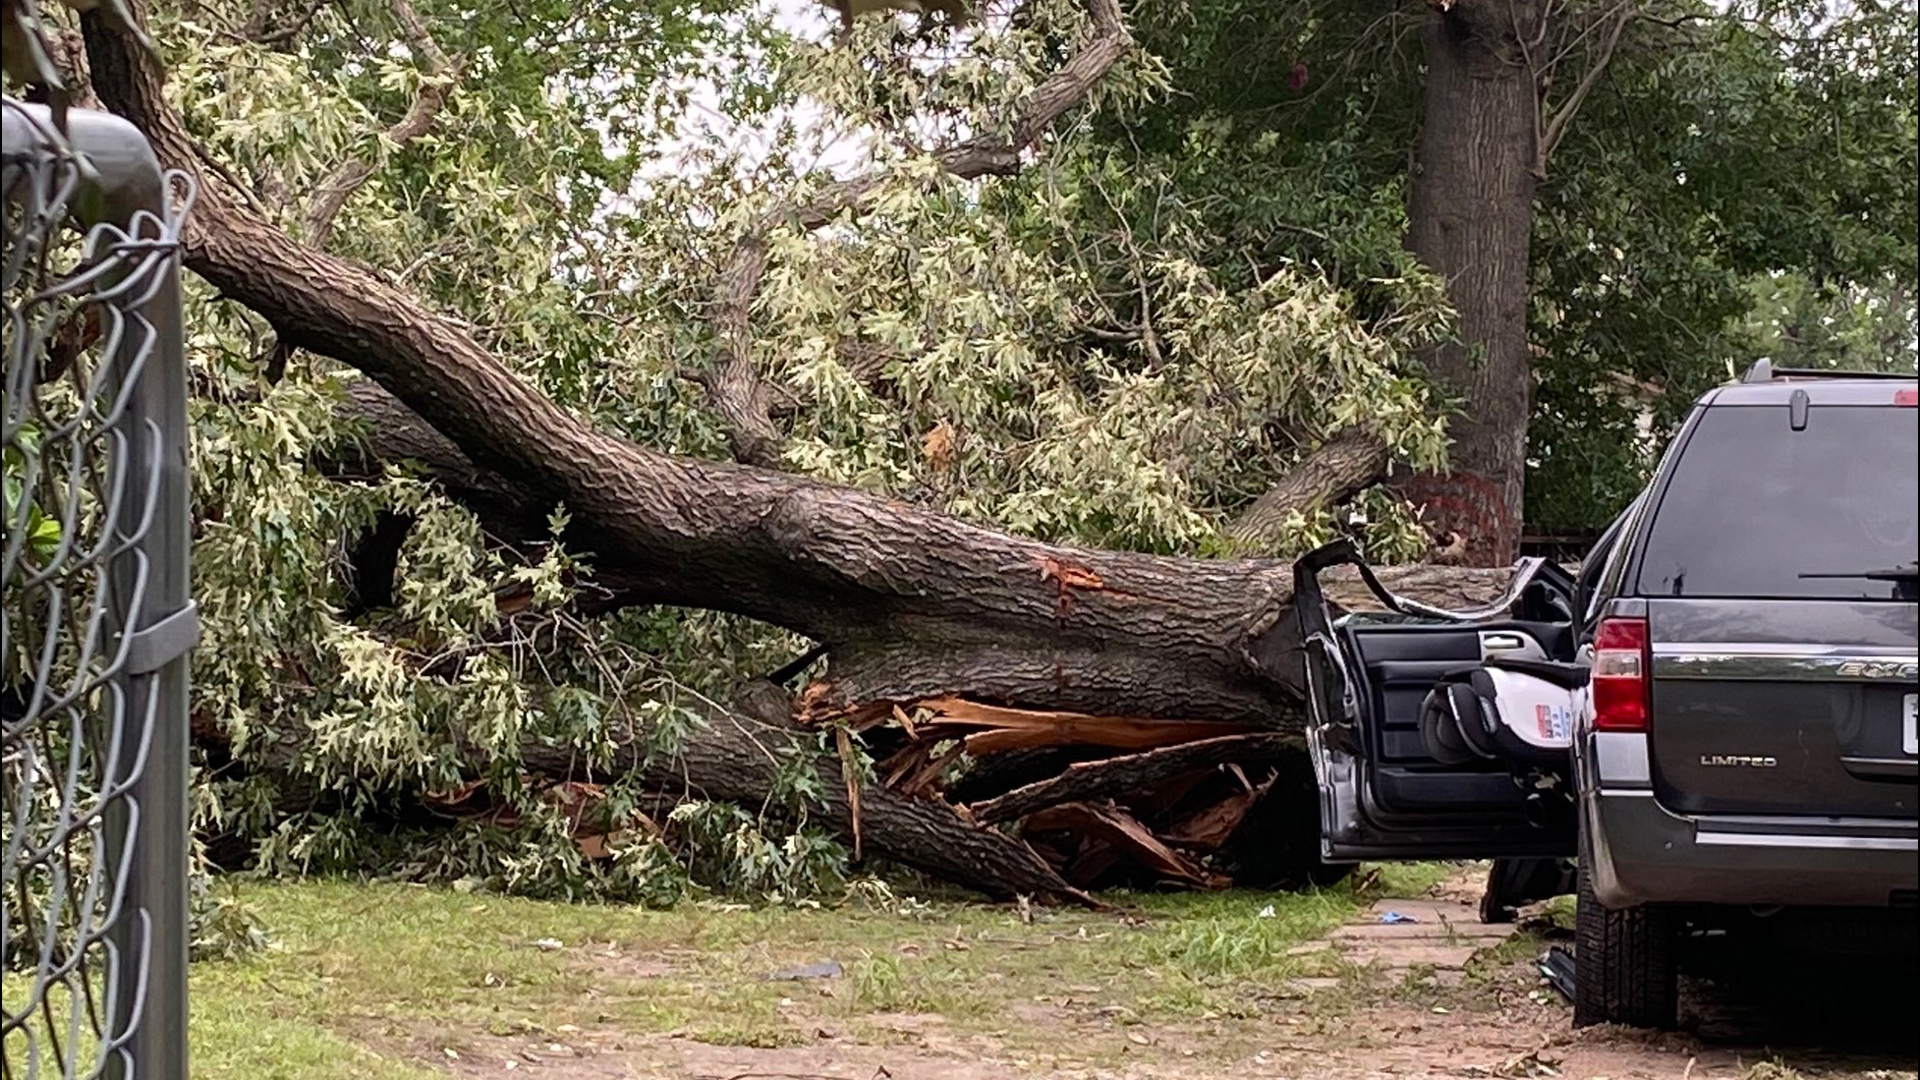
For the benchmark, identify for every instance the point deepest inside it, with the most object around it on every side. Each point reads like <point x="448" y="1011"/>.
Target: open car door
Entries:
<point x="1388" y="790"/>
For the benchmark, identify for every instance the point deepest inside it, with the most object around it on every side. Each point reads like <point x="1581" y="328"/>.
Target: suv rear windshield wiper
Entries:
<point x="1908" y="572"/>
<point x="1905" y="578"/>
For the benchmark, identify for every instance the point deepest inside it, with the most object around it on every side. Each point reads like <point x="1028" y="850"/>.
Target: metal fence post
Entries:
<point x="123" y="711"/>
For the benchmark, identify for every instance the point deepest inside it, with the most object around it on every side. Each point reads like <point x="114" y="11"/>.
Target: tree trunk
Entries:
<point x="1470" y="220"/>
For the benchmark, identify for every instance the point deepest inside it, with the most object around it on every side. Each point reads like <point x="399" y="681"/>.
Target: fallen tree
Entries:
<point x="942" y="638"/>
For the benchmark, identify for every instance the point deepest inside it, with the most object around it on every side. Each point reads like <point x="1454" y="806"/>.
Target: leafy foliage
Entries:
<point x="1860" y="327"/>
<point x="1725" y="147"/>
<point x="1700" y="173"/>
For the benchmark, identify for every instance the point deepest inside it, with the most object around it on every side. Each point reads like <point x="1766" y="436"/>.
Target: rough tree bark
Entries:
<point x="1470" y="220"/>
<point x="1337" y="469"/>
<point x="910" y="605"/>
<point x="1490" y="126"/>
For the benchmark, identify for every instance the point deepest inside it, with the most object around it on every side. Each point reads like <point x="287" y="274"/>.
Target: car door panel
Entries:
<point x="1383" y="795"/>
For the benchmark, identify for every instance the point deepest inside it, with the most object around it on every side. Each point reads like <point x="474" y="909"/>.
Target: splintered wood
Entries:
<point x="1107" y="834"/>
<point x="988" y="728"/>
<point x="1102" y="799"/>
<point x="1067" y="577"/>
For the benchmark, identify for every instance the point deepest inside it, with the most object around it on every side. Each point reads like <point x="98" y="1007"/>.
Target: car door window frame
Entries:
<point x="1600" y="565"/>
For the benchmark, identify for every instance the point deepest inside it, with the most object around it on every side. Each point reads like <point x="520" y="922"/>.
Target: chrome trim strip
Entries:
<point x="1783" y="663"/>
<point x="1841" y="843"/>
<point x="1881" y="766"/>
<point x="1524" y="572"/>
<point x="1775" y="648"/>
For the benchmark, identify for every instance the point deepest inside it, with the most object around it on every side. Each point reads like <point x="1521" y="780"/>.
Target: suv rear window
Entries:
<point x="1753" y="505"/>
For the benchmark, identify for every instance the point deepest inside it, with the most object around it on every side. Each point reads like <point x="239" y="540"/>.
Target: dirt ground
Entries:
<point x="1757" y="1018"/>
<point x="1508" y="1034"/>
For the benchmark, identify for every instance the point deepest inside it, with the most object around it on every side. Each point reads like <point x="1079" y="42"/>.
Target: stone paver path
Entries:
<point x="1441" y="934"/>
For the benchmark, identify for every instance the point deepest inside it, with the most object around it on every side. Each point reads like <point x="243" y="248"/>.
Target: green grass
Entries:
<point x="1405" y="879"/>
<point x="377" y="981"/>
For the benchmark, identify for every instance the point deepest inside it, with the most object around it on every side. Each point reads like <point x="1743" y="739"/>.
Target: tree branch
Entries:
<point x="1117" y="777"/>
<point x="736" y="759"/>
<point x="514" y="512"/>
<point x="1344" y="464"/>
<point x="331" y="195"/>
<point x="334" y="191"/>
<point x="736" y="390"/>
<point x="259" y="29"/>
<point x="1555" y="126"/>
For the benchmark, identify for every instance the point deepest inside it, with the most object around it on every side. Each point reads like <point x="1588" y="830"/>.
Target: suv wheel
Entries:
<point x="1625" y="969"/>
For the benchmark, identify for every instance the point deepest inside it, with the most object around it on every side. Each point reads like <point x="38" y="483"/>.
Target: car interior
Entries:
<point x="1451" y="719"/>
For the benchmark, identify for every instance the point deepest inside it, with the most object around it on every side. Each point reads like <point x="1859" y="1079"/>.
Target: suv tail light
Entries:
<point x="1620" y="675"/>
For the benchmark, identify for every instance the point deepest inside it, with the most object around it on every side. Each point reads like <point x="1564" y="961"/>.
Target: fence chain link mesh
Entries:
<point x="96" y="617"/>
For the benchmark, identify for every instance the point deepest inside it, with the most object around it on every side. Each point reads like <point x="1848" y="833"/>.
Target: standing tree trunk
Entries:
<point x="1471" y="219"/>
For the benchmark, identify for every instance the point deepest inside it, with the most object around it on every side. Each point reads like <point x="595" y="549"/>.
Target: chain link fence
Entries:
<point x="97" y="618"/>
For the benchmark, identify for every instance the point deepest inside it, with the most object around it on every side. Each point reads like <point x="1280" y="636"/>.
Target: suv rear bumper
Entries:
<point x="1644" y="853"/>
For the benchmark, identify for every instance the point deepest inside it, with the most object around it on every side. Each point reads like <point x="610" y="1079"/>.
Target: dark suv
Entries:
<point x="1736" y="669"/>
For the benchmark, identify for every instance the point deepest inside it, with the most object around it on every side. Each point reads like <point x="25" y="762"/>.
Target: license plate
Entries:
<point x="1907" y="740"/>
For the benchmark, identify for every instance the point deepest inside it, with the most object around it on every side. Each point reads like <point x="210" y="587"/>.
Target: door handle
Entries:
<point x="1501" y="642"/>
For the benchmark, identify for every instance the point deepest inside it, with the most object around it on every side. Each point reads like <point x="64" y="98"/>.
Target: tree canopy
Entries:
<point x="1721" y="151"/>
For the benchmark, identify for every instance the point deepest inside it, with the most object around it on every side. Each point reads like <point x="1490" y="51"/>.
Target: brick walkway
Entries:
<point x="1442" y="935"/>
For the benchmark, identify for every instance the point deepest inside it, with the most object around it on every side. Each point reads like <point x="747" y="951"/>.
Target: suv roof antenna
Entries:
<point x="1761" y="371"/>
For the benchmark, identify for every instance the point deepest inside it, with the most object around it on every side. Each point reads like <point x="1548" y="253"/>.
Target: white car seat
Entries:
<point x="1505" y="709"/>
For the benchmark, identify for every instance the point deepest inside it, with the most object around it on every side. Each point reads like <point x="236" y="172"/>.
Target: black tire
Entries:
<point x="1496" y="907"/>
<point x="1626" y="968"/>
<point x="1514" y="883"/>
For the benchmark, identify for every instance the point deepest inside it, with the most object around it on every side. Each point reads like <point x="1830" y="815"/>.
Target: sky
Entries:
<point x="706" y="124"/>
